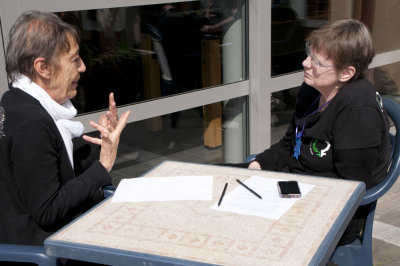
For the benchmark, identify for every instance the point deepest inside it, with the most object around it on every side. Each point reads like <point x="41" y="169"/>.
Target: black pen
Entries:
<point x="223" y="193"/>
<point x="249" y="189"/>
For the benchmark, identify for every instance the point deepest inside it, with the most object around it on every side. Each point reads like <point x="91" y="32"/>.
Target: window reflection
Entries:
<point x="146" y="52"/>
<point x="283" y="104"/>
<point x="386" y="80"/>
<point x="291" y="21"/>
<point x="384" y="20"/>
<point x="286" y="39"/>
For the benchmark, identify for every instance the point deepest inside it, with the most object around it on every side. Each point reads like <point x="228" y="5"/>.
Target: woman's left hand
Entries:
<point x="254" y="165"/>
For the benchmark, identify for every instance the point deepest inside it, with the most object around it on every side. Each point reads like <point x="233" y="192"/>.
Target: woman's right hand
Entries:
<point x="110" y="128"/>
<point x="254" y="165"/>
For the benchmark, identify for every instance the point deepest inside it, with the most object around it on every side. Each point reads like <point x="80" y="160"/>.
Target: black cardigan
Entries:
<point x="349" y="139"/>
<point x="39" y="190"/>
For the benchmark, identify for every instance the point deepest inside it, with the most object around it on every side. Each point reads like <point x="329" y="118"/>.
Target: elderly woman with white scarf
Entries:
<point x="44" y="181"/>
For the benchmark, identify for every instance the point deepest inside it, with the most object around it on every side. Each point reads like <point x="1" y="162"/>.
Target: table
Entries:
<point x="189" y="232"/>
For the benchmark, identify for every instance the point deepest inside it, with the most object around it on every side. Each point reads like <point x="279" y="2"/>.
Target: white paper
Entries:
<point x="271" y="206"/>
<point x="164" y="189"/>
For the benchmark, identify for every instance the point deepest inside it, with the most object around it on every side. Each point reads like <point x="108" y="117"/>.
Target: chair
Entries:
<point x="108" y="191"/>
<point x="360" y="251"/>
<point x="35" y="254"/>
<point x="250" y="158"/>
<point x="27" y="254"/>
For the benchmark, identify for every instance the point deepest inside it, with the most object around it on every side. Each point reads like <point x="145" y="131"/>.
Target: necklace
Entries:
<point x="299" y="134"/>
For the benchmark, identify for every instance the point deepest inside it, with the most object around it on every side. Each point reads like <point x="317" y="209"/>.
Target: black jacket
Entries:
<point x="39" y="190"/>
<point x="349" y="139"/>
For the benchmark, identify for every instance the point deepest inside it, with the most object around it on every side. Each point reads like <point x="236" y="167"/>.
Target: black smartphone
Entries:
<point x="289" y="189"/>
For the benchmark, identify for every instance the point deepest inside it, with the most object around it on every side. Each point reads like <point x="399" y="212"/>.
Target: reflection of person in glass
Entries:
<point x="107" y="23"/>
<point x="215" y="24"/>
<point x="339" y="128"/>
<point x="46" y="180"/>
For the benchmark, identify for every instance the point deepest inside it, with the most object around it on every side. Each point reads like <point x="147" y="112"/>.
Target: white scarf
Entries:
<point x="61" y="113"/>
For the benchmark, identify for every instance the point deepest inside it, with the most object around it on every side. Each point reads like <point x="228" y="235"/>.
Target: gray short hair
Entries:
<point x="36" y="34"/>
<point x="347" y="43"/>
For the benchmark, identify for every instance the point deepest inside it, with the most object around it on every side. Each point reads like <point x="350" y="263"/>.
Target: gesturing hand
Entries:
<point x="110" y="128"/>
<point x="110" y="119"/>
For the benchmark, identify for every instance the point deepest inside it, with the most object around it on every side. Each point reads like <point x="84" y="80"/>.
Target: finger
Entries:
<point x="112" y="106"/>
<point x="98" y="127"/>
<point x="112" y="114"/>
<point x="122" y="122"/>
<point x="92" y="140"/>
<point x="103" y="120"/>
<point x="111" y="98"/>
<point x="113" y="118"/>
<point x="110" y="128"/>
<point x="105" y="136"/>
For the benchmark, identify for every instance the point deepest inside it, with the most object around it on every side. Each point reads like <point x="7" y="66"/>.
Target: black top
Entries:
<point x="39" y="190"/>
<point x="348" y="139"/>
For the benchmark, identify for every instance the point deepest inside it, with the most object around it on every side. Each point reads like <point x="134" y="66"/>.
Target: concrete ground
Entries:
<point x="386" y="230"/>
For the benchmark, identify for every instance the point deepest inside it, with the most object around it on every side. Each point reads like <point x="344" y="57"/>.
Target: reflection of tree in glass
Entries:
<point x="91" y="55"/>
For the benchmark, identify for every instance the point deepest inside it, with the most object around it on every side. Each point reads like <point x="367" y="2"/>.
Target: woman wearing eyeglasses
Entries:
<point x="339" y="128"/>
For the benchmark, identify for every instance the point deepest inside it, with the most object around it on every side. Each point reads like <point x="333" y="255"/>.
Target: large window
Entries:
<point x="180" y="67"/>
<point x="147" y="52"/>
